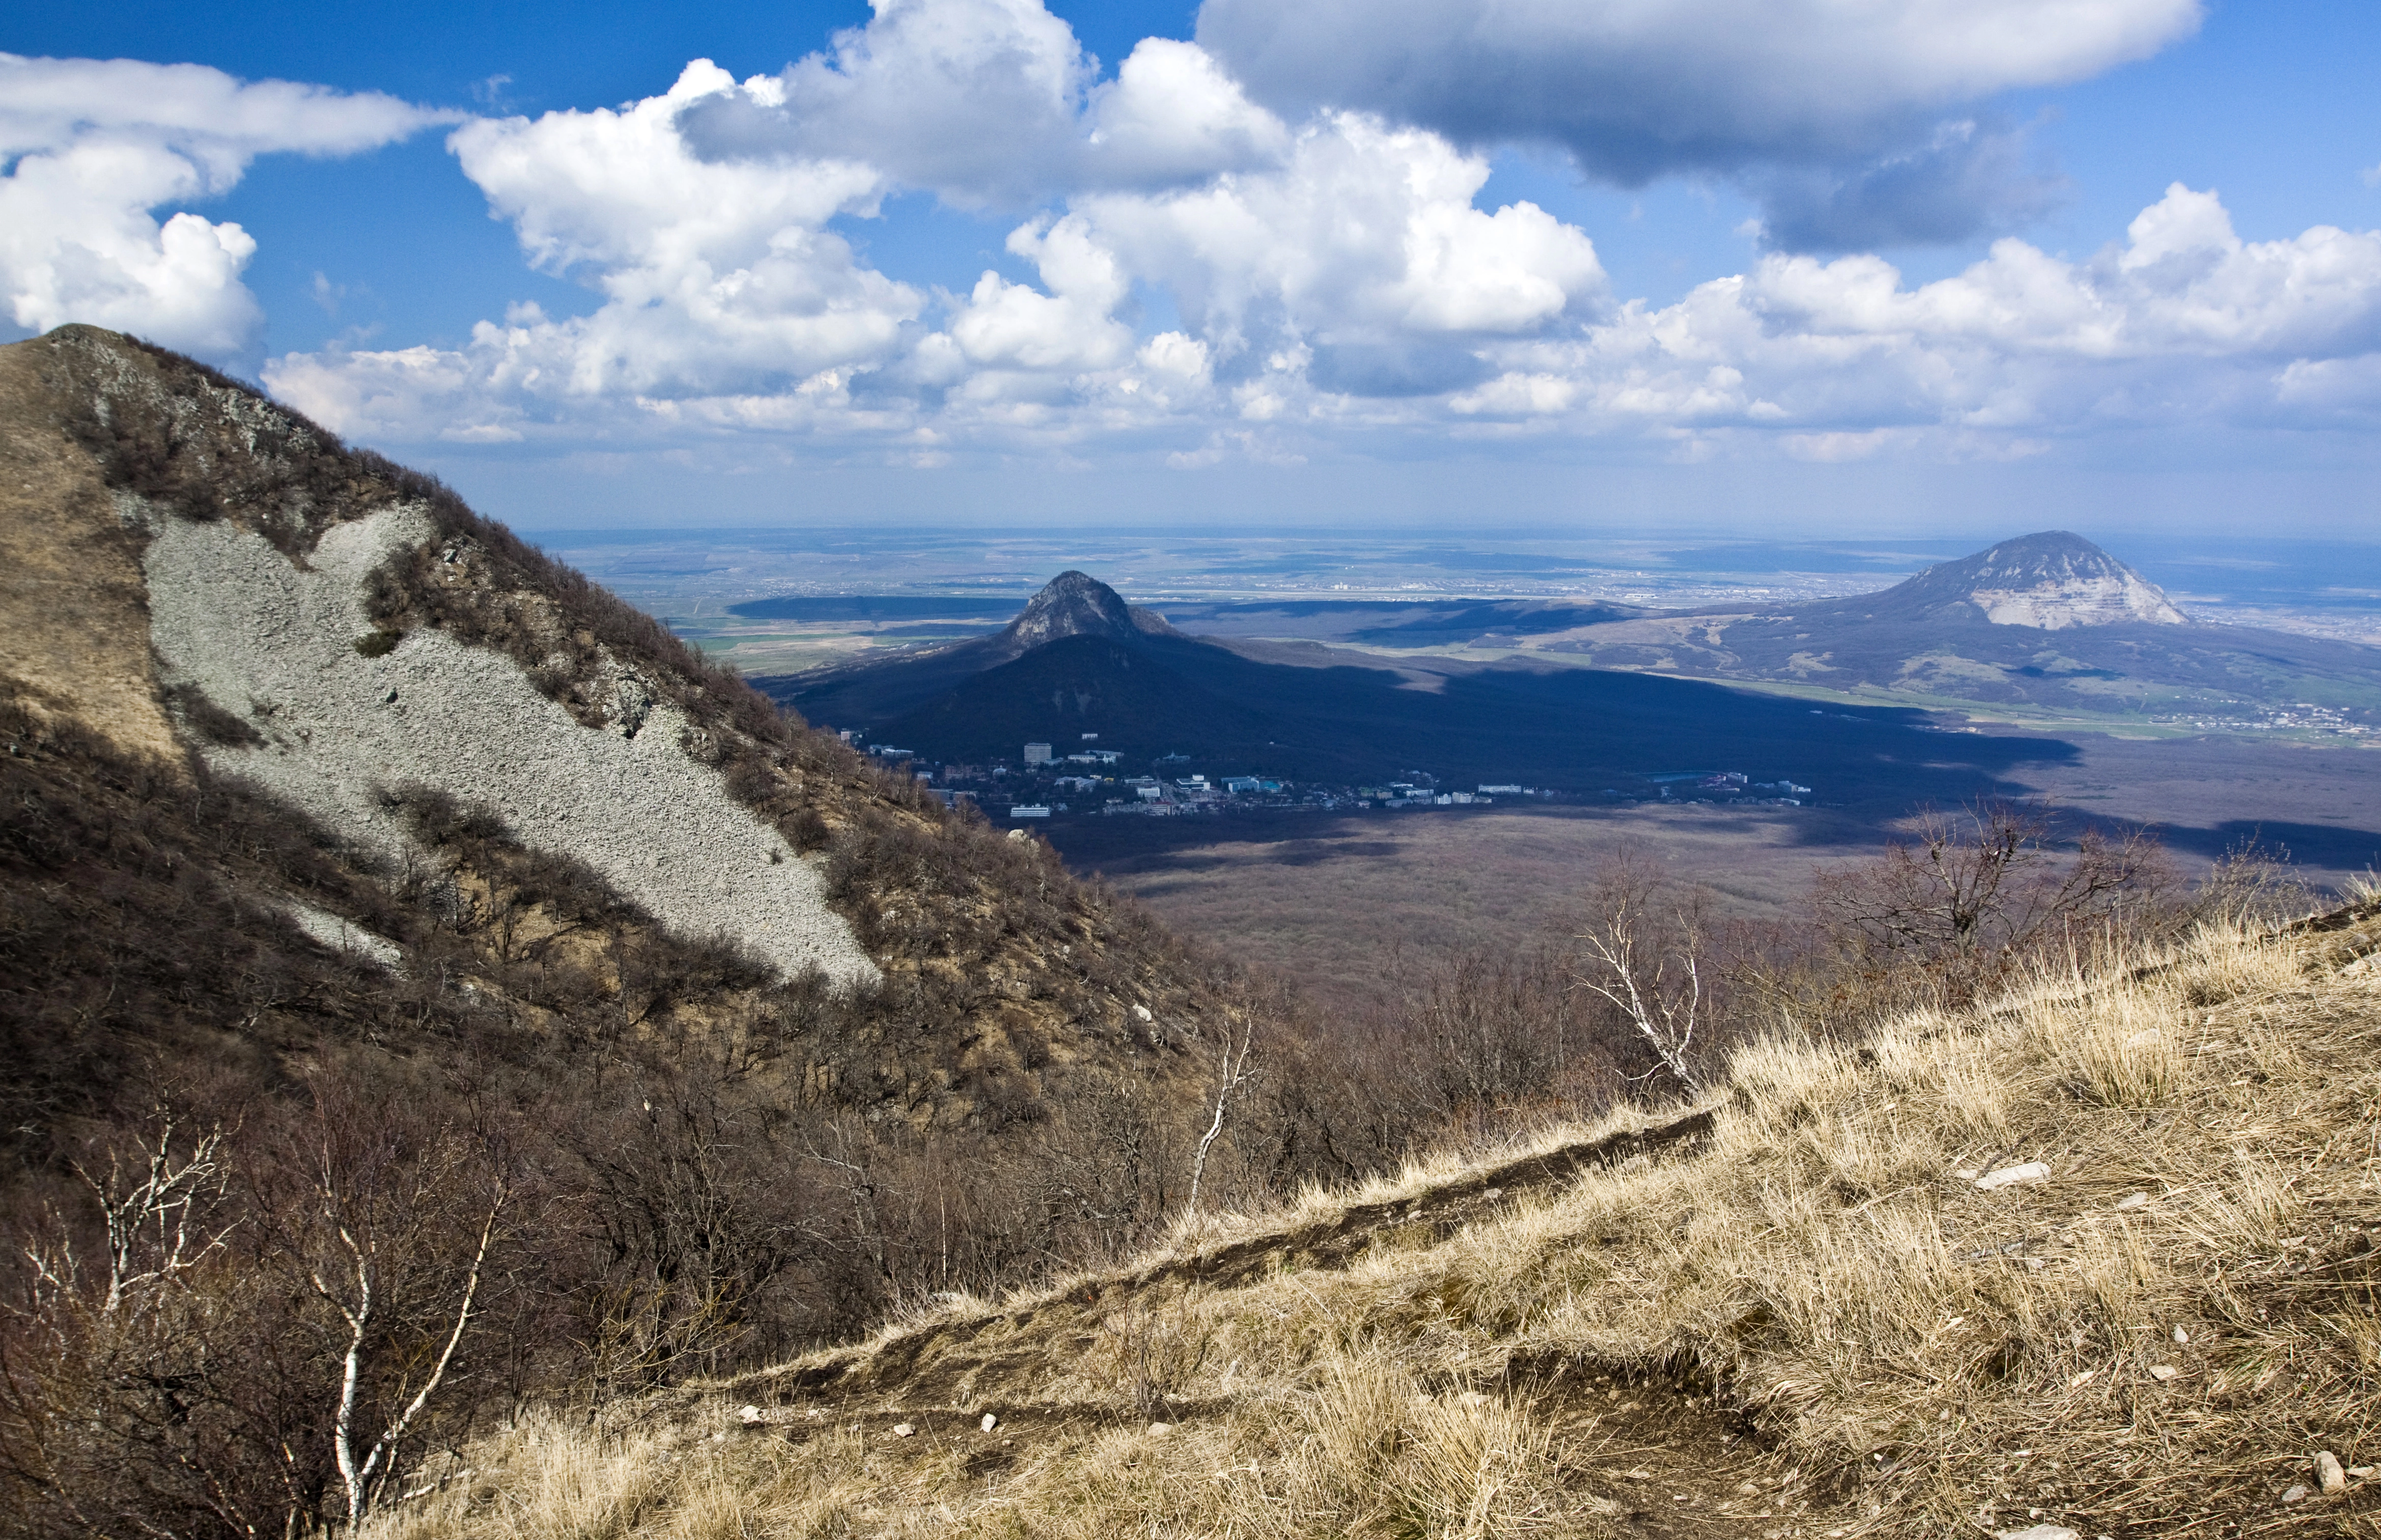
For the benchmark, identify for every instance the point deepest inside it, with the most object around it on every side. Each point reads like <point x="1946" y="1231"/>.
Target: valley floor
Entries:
<point x="1333" y="899"/>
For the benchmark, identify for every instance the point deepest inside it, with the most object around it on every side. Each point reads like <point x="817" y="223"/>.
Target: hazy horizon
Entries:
<point x="2326" y="588"/>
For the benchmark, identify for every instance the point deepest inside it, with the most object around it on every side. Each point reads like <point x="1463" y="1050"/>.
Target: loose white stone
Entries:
<point x="2031" y="1172"/>
<point x="341" y="936"/>
<point x="273" y="644"/>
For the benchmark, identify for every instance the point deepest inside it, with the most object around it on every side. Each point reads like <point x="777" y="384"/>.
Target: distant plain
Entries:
<point x="693" y="577"/>
<point x="1335" y="896"/>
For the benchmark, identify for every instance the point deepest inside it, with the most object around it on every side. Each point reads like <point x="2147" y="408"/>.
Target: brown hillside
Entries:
<point x="1793" y="1311"/>
<point x="101" y="433"/>
<point x="260" y="942"/>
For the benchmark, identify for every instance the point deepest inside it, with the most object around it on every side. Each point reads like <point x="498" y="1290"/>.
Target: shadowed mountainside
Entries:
<point x="1314" y="713"/>
<point x="439" y="943"/>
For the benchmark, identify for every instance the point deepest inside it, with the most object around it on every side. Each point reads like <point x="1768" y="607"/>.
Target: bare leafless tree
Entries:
<point x="97" y="1372"/>
<point x="400" y="1210"/>
<point x="1643" y="949"/>
<point x="1233" y="1072"/>
<point x="155" y="1218"/>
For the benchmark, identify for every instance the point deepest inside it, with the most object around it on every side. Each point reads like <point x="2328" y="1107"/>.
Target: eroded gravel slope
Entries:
<point x="275" y="644"/>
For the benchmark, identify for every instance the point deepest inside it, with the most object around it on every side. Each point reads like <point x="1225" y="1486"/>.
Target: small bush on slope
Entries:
<point x="2164" y="1330"/>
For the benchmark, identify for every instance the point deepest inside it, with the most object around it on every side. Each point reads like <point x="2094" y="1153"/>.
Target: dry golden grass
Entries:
<point x="74" y="621"/>
<point x="1810" y="1321"/>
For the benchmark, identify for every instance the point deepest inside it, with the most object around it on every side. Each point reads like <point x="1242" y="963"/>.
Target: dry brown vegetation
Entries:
<point x="1803" y="1315"/>
<point x="72" y="620"/>
<point x="704" y="1166"/>
<point x="487" y="1240"/>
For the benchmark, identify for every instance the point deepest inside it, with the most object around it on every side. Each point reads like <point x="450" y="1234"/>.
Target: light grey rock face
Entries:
<point x="341" y="936"/>
<point x="2055" y="604"/>
<point x="1076" y="603"/>
<point x="2053" y="580"/>
<point x="274" y="643"/>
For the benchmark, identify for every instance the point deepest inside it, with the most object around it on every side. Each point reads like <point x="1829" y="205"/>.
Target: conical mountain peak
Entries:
<point x="2049" y="580"/>
<point x="1076" y="603"/>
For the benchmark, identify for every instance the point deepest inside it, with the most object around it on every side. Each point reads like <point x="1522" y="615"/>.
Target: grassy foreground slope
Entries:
<point x="1788" y="1311"/>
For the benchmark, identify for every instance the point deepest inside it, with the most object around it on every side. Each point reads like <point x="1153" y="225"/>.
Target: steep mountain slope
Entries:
<point x="361" y="864"/>
<point x="2095" y="1257"/>
<point x="347" y="639"/>
<point x="1071" y="605"/>
<point x="2049" y="581"/>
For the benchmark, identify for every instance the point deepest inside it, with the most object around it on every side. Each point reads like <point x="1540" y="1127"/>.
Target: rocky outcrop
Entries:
<point x="227" y="594"/>
<point x="1076" y="603"/>
<point x="2048" y="581"/>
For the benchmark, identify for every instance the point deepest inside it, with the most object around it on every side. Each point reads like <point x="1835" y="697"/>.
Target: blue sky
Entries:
<point x="1895" y="267"/>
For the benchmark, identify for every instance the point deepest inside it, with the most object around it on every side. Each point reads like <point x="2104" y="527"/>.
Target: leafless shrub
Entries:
<point x="1159" y="1340"/>
<point x="1953" y="914"/>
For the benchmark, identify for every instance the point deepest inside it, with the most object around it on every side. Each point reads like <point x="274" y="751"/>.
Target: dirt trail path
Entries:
<point x="1656" y="1455"/>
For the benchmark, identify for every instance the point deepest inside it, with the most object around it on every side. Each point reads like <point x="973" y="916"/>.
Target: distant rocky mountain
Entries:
<point x="1322" y="713"/>
<point x="2048" y="620"/>
<point x="1071" y="605"/>
<point x="1075" y="604"/>
<point x="2048" y="581"/>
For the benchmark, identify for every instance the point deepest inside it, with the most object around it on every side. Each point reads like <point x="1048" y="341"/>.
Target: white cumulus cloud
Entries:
<point x="2182" y="323"/>
<point x="975" y="100"/>
<point x="1853" y="89"/>
<point x="1203" y="278"/>
<point x="1345" y="256"/>
<point x="717" y="274"/>
<point x="1362" y="252"/>
<point x="98" y="146"/>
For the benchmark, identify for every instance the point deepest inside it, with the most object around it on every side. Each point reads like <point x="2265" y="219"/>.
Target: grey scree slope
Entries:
<point x="259" y="634"/>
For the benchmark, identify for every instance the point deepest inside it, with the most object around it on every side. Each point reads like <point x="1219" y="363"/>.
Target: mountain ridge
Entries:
<point x="1324" y="714"/>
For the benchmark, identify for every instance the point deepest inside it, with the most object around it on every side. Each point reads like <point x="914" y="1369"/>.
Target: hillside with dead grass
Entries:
<point x="353" y="1036"/>
<point x="2097" y="1255"/>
